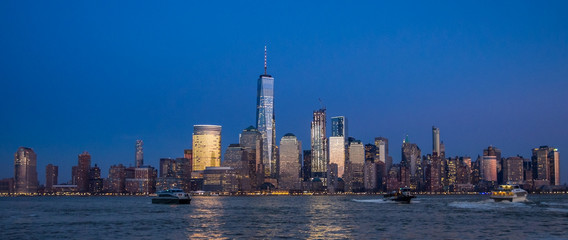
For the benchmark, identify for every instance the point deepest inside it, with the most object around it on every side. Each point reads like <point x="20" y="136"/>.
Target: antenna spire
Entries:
<point x="264" y="59"/>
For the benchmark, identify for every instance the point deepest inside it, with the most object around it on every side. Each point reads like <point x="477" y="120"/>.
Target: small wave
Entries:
<point x="560" y="210"/>
<point x="486" y="205"/>
<point x="370" y="200"/>
<point x="563" y="204"/>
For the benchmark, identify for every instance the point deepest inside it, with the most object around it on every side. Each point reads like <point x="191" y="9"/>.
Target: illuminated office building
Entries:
<point x="382" y="144"/>
<point x="319" y="145"/>
<point x="356" y="161"/>
<point x="488" y="165"/>
<point x="206" y="147"/>
<point x="265" y="121"/>
<point x="25" y="171"/>
<point x="513" y="170"/>
<point x="337" y="143"/>
<point x="290" y="159"/>
<point x="250" y="140"/>
<point x="339" y="127"/>
<point x="546" y="164"/>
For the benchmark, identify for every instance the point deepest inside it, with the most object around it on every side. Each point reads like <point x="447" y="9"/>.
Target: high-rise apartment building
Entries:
<point x="265" y="121"/>
<point x="139" y="153"/>
<point x="546" y="164"/>
<point x="206" y="147"/>
<point x="116" y="181"/>
<point x="319" y="145"/>
<point x="80" y="173"/>
<point x="290" y="162"/>
<point x="25" y="171"/>
<point x="51" y="175"/>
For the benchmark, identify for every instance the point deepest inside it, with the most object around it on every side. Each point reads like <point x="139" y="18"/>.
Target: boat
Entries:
<point x="403" y="195"/>
<point x="509" y="192"/>
<point x="172" y="196"/>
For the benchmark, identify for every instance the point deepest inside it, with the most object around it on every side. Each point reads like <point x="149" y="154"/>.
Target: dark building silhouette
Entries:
<point x="80" y="173"/>
<point x="51" y="175"/>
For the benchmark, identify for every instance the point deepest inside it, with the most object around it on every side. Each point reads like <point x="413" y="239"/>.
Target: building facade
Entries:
<point x="206" y="147"/>
<point x="139" y="153"/>
<point x="319" y="145"/>
<point x="51" y="175"/>
<point x="25" y="171"/>
<point x="266" y="121"/>
<point x="290" y="162"/>
<point x="546" y="164"/>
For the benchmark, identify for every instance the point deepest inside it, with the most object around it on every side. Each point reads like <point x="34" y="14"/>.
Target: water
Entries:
<point x="304" y="217"/>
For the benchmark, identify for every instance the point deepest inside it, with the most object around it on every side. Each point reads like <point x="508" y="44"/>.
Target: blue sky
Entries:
<point x="95" y="76"/>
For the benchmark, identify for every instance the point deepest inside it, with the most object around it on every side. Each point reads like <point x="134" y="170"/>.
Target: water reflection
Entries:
<point x="321" y="210"/>
<point x="204" y="221"/>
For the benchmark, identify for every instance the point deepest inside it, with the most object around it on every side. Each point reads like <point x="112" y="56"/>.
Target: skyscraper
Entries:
<point x="290" y="158"/>
<point x="546" y="164"/>
<point x="206" y="147"/>
<point x="265" y="120"/>
<point x="319" y="145"/>
<point x="435" y="141"/>
<point x="339" y="127"/>
<point x="81" y="172"/>
<point x="382" y="144"/>
<point x="236" y="158"/>
<point x="51" y="174"/>
<point x="411" y="158"/>
<point x="488" y="165"/>
<point x="139" y="153"/>
<point x="337" y="144"/>
<point x="356" y="161"/>
<point x="25" y="171"/>
<point x="513" y="170"/>
<point x="251" y="140"/>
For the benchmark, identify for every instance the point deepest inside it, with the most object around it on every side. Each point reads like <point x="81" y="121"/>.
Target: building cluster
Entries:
<point x="338" y="163"/>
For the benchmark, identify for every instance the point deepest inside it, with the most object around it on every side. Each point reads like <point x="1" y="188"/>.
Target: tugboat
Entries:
<point x="509" y="192"/>
<point x="403" y="195"/>
<point x="172" y="196"/>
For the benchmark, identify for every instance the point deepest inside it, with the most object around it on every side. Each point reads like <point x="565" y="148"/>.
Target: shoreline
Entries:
<point x="264" y="194"/>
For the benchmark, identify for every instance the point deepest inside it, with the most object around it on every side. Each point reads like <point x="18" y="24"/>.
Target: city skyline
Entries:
<point x="482" y="79"/>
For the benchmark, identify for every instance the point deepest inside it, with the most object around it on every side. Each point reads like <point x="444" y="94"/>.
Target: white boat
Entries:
<point x="172" y="196"/>
<point x="509" y="192"/>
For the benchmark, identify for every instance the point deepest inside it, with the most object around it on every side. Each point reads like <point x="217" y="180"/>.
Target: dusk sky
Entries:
<point x="97" y="75"/>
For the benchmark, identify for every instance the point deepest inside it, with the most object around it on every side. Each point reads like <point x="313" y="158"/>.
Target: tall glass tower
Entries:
<point x="265" y="121"/>
<point x="206" y="147"/>
<point x="319" y="146"/>
<point x="337" y="143"/>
